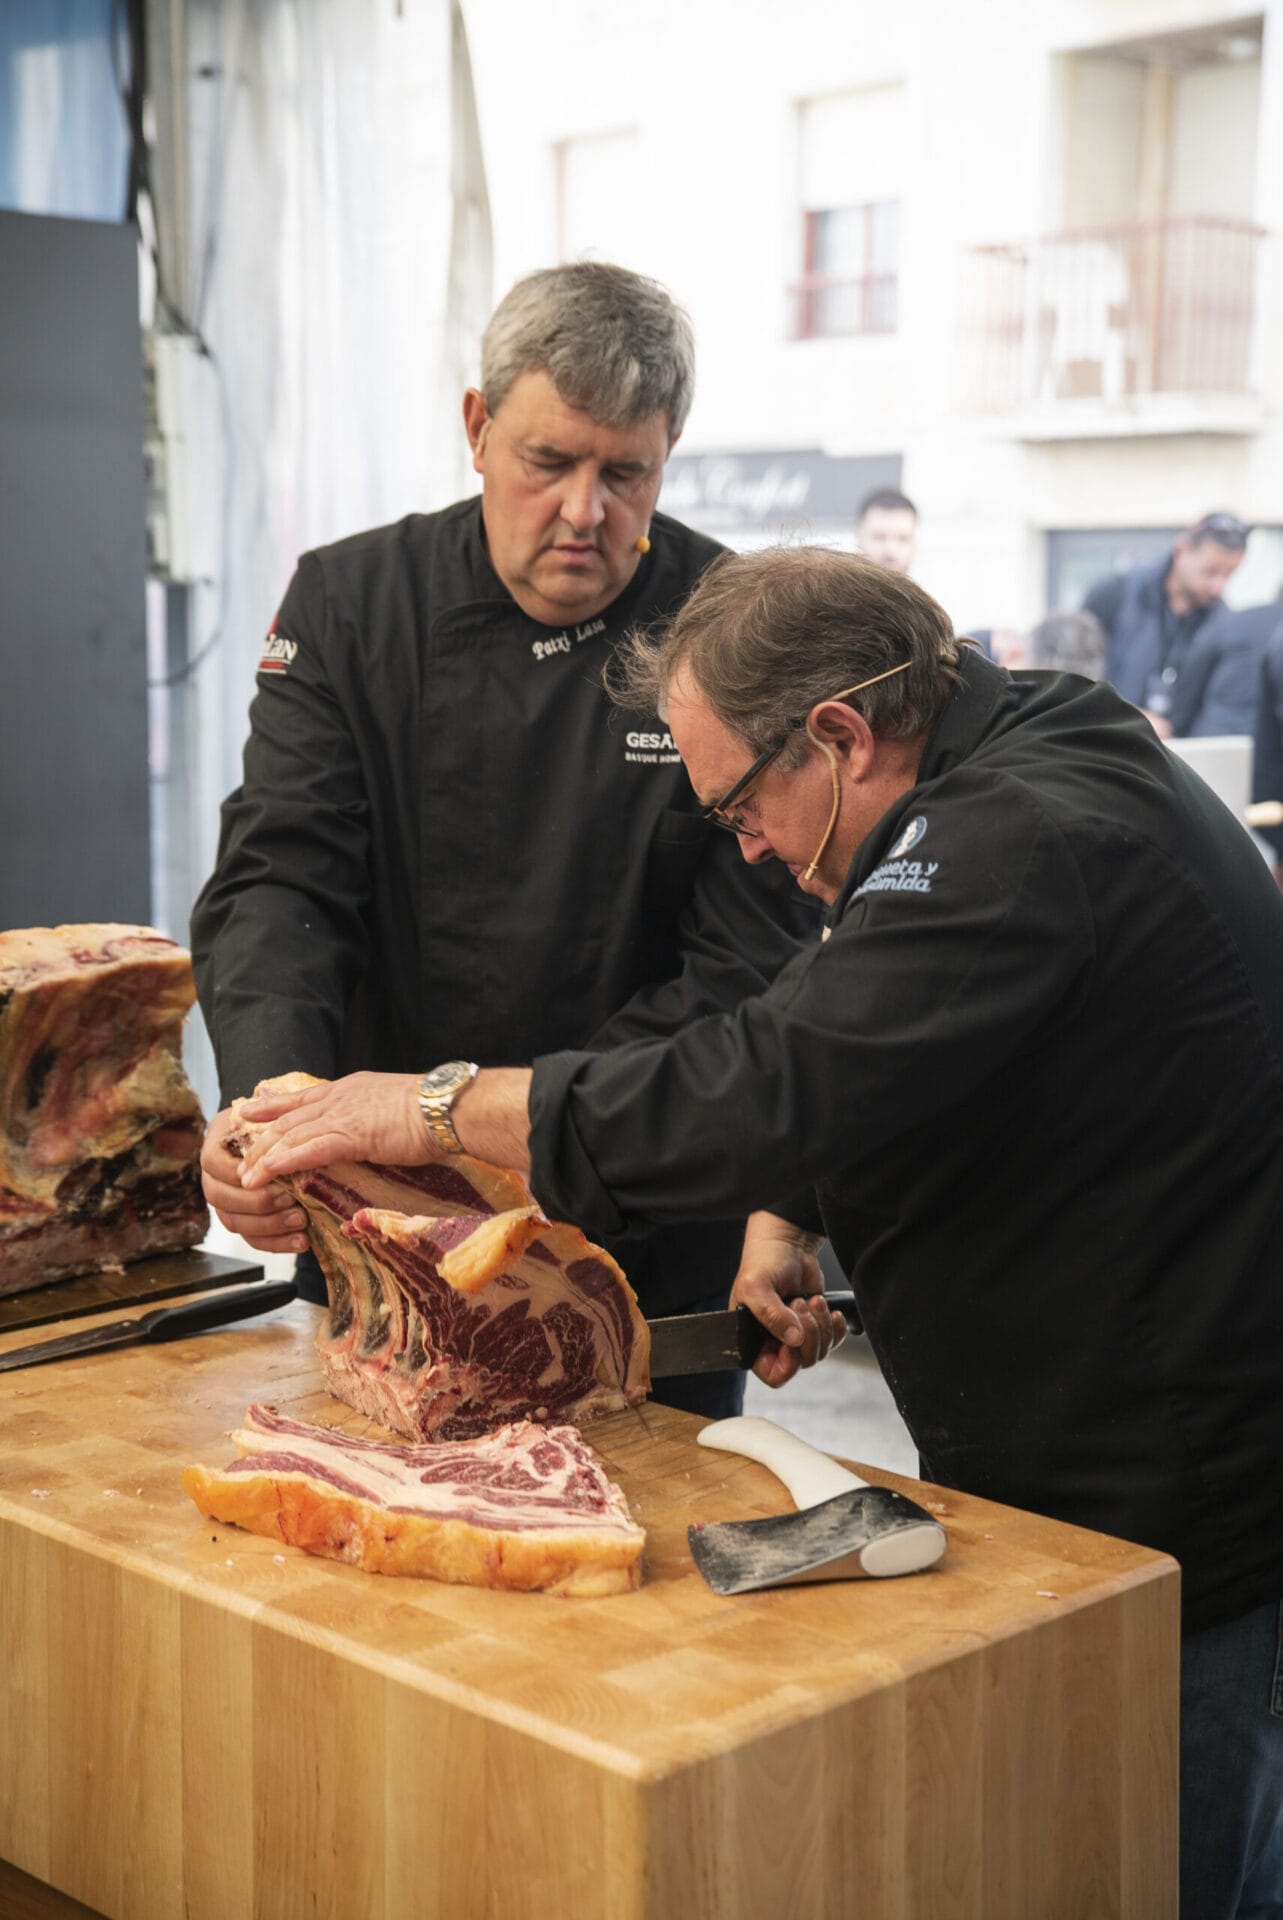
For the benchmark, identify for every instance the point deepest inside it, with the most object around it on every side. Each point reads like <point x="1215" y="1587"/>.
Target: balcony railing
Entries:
<point x="1110" y="315"/>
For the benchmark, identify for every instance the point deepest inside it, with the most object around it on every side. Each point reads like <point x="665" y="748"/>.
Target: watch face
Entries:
<point x="441" y="1078"/>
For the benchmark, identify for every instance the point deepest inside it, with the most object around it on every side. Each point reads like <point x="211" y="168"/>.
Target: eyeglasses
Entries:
<point x="720" y="814"/>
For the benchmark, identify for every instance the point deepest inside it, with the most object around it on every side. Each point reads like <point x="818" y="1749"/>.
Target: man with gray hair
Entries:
<point x="1031" y="1088"/>
<point x="447" y="849"/>
<point x="1065" y="643"/>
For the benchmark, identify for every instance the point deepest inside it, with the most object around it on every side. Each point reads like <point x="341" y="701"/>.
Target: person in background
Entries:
<point x="1031" y="1086"/>
<point x="1005" y="646"/>
<point x="1219" y="690"/>
<point x="1267" y="750"/>
<point x="1153" y="613"/>
<point x="886" y="528"/>
<point x="447" y="842"/>
<point x="1064" y="643"/>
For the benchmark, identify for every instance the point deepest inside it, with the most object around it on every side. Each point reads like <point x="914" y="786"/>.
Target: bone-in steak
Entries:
<point x="526" y="1507"/>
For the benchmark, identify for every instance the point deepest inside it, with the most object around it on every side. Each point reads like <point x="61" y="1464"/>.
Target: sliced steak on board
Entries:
<point x="100" y="1131"/>
<point x="456" y="1305"/>
<point x="526" y="1507"/>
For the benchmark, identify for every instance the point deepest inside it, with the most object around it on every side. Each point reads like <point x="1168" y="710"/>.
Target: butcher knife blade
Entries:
<point x="717" y="1342"/>
<point x="162" y="1323"/>
<point x="844" y="1529"/>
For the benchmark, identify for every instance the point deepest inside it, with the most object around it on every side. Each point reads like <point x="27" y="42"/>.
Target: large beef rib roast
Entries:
<point x="100" y="1132"/>
<point x="456" y="1305"/>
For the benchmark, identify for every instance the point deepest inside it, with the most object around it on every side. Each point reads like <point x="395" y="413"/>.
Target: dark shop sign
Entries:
<point x="774" y="495"/>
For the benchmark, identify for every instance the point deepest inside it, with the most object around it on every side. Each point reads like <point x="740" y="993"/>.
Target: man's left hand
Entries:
<point x="363" y="1116"/>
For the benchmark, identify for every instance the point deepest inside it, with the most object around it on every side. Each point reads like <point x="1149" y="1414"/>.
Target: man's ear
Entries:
<point x="476" y="424"/>
<point x="843" y="729"/>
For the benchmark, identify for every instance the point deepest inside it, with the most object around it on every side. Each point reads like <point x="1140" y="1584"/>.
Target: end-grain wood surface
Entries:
<point x="212" y="1727"/>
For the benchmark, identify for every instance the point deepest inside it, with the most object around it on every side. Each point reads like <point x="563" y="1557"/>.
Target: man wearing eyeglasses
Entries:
<point x="1031" y="1087"/>
<point x="1153" y="614"/>
<point x="448" y="847"/>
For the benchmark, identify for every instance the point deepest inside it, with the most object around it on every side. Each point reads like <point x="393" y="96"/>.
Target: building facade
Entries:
<point x="1021" y="255"/>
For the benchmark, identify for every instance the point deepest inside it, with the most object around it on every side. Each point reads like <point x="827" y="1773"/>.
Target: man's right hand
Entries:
<point x="268" y="1219"/>
<point x="780" y="1282"/>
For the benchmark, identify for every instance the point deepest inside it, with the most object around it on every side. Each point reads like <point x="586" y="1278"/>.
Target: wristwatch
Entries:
<point x="437" y="1092"/>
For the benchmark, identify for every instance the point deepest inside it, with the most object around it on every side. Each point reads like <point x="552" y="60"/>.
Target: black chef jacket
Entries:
<point x="449" y="843"/>
<point x="1034" y="1083"/>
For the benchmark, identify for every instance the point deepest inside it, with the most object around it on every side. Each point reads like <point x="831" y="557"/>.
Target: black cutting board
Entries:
<point x="158" y="1277"/>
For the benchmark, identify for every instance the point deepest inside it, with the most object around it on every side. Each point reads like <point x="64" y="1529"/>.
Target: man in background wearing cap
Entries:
<point x="1152" y="614"/>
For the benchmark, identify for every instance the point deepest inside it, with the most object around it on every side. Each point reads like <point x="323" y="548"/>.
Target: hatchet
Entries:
<point x="844" y="1529"/>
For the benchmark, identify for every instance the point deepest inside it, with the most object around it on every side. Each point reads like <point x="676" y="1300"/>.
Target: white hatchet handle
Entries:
<point x="809" y="1475"/>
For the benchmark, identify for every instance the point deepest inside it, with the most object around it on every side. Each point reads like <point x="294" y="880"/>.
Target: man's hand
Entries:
<point x="780" y="1282"/>
<point x="376" y="1116"/>
<point x="363" y="1116"/>
<point x="269" y="1219"/>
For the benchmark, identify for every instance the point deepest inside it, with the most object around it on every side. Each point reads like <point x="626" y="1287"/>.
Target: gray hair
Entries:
<point x="768" y="635"/>
<point x="1069" y="643"/>
<point x="613" y="343"/>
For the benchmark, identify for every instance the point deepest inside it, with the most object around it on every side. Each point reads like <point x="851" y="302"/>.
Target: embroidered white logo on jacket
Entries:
<point x="910" y="837"/>
<point x="651" y="749"/>
<point x="278" y="652"/>
<point x="898" y="875"/>
<point x="564" y="641"/>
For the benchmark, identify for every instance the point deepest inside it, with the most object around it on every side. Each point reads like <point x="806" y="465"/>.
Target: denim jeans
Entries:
<point x="1232" y="1769"/>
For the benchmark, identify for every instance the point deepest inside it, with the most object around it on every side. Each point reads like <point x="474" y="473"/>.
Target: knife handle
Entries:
<point x="215" y="1309"/>
<point x="751" y="1336"/>
<point x="809" y="1475"/>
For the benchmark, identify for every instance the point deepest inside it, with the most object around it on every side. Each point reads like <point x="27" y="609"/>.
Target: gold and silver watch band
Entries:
<point x="437" y="1092"/>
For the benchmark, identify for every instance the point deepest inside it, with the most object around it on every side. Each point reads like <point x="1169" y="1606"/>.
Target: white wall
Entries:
<point x="1102" y="105"/>
<point x="1215" y="114"/>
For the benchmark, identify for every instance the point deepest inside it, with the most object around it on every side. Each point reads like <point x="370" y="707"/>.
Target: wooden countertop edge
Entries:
<point x="758" y="1721"/>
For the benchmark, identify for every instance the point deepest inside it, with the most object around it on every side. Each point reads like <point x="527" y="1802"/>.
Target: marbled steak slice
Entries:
<point x="526" y="1507"/>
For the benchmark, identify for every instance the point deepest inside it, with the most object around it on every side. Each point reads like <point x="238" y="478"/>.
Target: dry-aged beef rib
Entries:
<point x="527" y="1507"/>
<point x="476" y="1320"/>
<point x="455" y="1305"/>
<point x="99" y="1130"/>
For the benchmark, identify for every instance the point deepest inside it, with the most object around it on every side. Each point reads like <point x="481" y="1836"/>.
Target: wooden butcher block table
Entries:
<point x="199" y="1725"/>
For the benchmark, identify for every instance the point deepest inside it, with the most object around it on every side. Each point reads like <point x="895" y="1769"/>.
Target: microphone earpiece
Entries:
<point x="641" y="543"/>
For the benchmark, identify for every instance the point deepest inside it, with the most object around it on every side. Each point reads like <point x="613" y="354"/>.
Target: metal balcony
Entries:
<point x="1144" y="327"/>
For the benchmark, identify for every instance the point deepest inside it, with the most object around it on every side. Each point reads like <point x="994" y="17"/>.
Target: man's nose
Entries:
<point x="757" y="849"/>
<point x="582" y="504"/>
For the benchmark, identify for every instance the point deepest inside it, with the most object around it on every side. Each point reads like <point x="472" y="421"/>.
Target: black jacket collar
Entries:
<point x="981" y="699"/>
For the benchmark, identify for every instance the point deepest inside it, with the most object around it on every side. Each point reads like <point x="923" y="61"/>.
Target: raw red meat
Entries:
<point x="100" y="1131"/>
<point x="526" y="1507"/>
<point x="456" y="1305"/>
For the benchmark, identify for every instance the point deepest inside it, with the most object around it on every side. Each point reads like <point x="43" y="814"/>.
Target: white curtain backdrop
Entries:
<point x="323" y="203"/>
